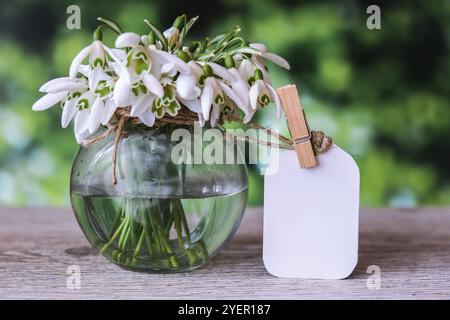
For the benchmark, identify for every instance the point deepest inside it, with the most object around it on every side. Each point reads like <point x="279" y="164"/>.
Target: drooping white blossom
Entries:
<point x="155" y="75"/>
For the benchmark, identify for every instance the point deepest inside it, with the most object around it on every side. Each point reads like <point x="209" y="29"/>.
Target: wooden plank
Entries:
<point x="411" y="247"/>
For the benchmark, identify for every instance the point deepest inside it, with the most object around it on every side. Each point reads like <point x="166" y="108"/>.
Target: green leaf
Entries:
<point x="186" y="27"/>
<point x="111" y="24"/>
<point x="189" y="25"/>
<point x="240" y="42"/>
<point x="216" y="39"/>
<point x="230" y="35"/>
<point x="248" y="50"/>
<point x="98" y="33"/>
<point x="158" y="34"/>
<point x="243" y="50"/>
<point x="180" y="22"/>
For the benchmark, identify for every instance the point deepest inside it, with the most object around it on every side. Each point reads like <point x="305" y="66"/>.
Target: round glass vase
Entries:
<point x="161" y="215"/>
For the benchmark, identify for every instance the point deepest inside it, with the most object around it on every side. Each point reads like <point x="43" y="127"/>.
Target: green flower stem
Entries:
<point x="180" y="223"/>
<point x="178" y="228"/>
<point x="119" y="229"/>
<point x="144" y="225"/>
<point x="139" y="245"/>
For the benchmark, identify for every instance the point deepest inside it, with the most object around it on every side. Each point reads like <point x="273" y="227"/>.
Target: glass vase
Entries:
<point x="161" y="215"/>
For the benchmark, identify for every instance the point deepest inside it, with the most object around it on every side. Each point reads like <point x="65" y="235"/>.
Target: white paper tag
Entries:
<point x="311" y="217"/>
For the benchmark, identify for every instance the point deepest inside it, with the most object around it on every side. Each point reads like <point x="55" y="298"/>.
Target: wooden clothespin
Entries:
<point x="298" y="126"/>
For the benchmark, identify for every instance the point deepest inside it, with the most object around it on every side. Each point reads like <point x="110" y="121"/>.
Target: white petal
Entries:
<point x="254" y="94"/>
<point x="117" y="67"/>
<point x="153" y="84"/>
<point x="194" y="94"/>
<point x="110" y="108"/>
<point x="156" y="68"/>
<point x="206" y="100"/>
<point x="201" y="120"/>
<point x="141" y="104"/>
<point x="49" y="100"/>
<point x="144" y="39"/>
<point x="277" y="59"/>
<point x="169" y="57"/>
<point x="70" y="107"/>
<point x="222" y="72"/>
<point x="116" y="54"/>
<point x="233" y="96"/>
<point x="195" y="68"/>
<point x="237" y="59"/>
<point x="120" y="54"/>
<point x="81" y="121"/>
<point x="168" y="69"/>
<point x="258" y="46"/>
<point x="77" y="61"/>
<point x="97" y="52"/>
<point x="240" y="86"/>
<point x="147" y="117"/>
<point x="249" y="116"/>
<point x="127" y="39"/>
<point x="213" y="120"/>
<point x="170" y="32"/>
<point x="214" y="115"/>
<point x="94" y="77"/>
<point x="81" y="136"/>
<point x="186" y="86"/>
<point x="275" y="98"/>
<point x="66" y="86"/>
<point x="246" y="69"/>
<point x="262" y="67"/>
<point x="122" y="93"/>
<point x="95" y="117"/>
<point x="193" y="105"/>
<point x="127" y="75"/>
<point x="54" y="82"/>
<point x="84" y="69"/>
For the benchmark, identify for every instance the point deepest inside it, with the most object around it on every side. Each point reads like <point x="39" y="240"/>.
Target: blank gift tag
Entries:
<point x="311" y="216"/>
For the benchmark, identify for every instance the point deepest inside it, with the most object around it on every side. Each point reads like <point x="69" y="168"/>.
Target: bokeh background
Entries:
<point x="383" y="95"/>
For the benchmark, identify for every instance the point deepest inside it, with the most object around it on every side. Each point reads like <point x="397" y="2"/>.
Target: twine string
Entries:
<point x="320" y="142"/>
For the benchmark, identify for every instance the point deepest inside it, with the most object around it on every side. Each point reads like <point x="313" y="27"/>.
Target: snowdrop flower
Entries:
<point x="187" y="82"/>
<point x="87" y="109"/>
<point x="215" y="91"/>
<point x="98" y="62"/>
<point x="137" y="62"/>
<point x="240" y="86"/>
<point x="262" y="93"/>
<point x="157" y="75"/>
<point x="168" y="102"/>
<point x="212" y="95"/>
<point x="246" y="70"/>
<point x="140" y="60"/>
<point x="270" y="56"/>
<point x="104" y="106"/>
<point x="64" y="90"/>
<point x="143" y="66"/>
<point x="163" y="57"/>
<point x="138" y="96"/>
<point x="137" y="86"/>
<point x="172" y="34"/>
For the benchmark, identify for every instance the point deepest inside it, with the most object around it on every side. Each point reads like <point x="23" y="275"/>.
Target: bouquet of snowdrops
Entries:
<point x="158" y="74"/>
<point x="150" y="80"/>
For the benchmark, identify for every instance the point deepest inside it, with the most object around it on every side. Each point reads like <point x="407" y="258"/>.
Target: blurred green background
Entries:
<point x="383" y="95"/>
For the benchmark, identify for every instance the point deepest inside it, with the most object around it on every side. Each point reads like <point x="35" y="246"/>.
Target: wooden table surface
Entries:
<point x="411" y="248"/>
